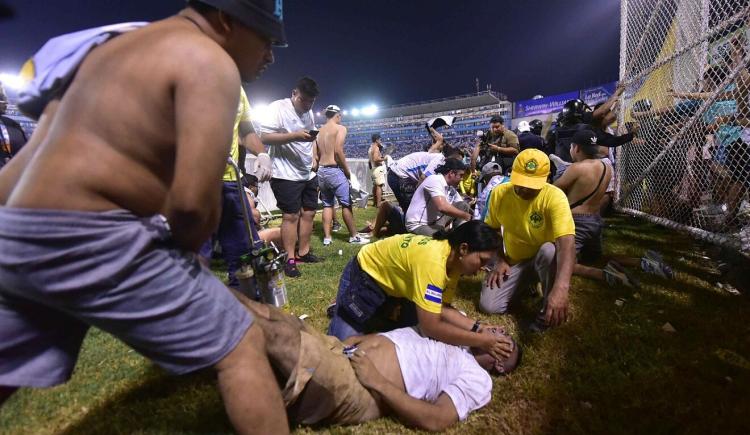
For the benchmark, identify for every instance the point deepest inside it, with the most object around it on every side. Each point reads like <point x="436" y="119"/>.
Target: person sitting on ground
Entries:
<point x="424" y="383"/>
<point x="587" y="179"/>
<point x="538" y="231"/>
<point x="268" y="235"/>
<point x="388" y="222"/>
<point x="491" y="177"/>
<point x="436" y="203"/>
<point x="409" y="280"/>
<point x="334" y="175"/>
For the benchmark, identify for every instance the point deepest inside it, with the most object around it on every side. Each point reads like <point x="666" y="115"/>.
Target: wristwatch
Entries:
<point x="475" y="328"/>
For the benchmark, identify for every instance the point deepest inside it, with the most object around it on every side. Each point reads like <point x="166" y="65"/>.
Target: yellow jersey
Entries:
<point x="529" y="224"/>
<point x="243" y="114"/>
<point x="412" y="267"/>
<point x="468" y="184"/>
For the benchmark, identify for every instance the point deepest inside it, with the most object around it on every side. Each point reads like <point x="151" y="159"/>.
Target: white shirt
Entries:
<point x="432" y="367"/>
<point x="423" y="209"/>
<point x="292" y="161"/>
<point x="411" y="165"/>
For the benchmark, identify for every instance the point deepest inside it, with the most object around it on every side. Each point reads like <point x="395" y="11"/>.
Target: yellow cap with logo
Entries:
<point x="530" y="169"/>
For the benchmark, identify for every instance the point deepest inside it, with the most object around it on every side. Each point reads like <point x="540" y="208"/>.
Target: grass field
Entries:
<point x="611" y="369"/>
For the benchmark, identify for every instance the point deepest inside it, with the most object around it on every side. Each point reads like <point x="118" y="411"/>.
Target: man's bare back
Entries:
<point x="330" y="136"/>
<point x="114" y="141"/>
<point x="580" y="179"/>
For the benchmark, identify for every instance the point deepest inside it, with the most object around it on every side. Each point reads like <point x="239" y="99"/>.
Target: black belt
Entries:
<point x="330" y="166"/>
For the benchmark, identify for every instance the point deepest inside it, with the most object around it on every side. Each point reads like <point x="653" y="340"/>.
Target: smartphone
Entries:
<point x="313" y="133"/>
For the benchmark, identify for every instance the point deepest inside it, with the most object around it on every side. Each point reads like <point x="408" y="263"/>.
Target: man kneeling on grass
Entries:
<point x="424" y="383"/>
<point x="585" y="184"/>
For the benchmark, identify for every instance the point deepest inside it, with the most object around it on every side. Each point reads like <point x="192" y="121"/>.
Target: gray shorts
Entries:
<point x="63" y="271"/>
<point x="588" y="236"/>
<point x="333" y="185"/>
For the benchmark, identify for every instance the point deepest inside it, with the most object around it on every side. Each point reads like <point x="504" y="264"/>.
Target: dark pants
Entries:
<point x="363" y="307"/>
<point x="231" y="234"/>
<point x="402" y="189"/>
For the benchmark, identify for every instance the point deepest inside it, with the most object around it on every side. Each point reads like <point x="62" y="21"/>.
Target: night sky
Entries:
<point x="386" y="51"/>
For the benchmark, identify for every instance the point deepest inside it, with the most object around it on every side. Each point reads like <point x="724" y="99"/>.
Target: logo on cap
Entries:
<point x="593" y="140"/>
<point x="531" y="166"/>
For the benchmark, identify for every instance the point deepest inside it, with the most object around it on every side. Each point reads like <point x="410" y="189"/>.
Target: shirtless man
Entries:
<point x="585" y="184"/>
<point x="426" y="384"/>
<point x="377" y="169"/>
<point x="82" y="247"/>
<point x="334" y="175"/>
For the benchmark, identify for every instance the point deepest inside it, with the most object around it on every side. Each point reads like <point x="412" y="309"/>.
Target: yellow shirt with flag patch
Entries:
<point x="529" y="224"/>
<point x="412" y="267"/>
<point x="243" y="114"/>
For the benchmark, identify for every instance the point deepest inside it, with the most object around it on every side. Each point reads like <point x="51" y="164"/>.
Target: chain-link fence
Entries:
<point x="684" y="67"/>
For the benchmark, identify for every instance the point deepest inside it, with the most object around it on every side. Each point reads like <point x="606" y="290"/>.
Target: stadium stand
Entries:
<point x="403" y="126"/>
<point x="27" y="124"/>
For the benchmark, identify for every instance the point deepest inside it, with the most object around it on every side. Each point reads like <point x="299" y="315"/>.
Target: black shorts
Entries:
<point x="291" y="196"/>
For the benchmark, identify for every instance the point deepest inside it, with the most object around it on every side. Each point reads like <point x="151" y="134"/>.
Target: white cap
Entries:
<point x="524" y="126"/>
<point x="333" y="108"/>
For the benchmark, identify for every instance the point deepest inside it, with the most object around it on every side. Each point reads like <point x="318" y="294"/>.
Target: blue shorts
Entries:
<point x="333" y="185"/>
<point x="63" y="271"/>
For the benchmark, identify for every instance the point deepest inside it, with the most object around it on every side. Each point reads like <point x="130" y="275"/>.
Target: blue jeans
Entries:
<point x="342" y="329"/>
<point x="363" y="307"/>
<point x="231" y="233"/>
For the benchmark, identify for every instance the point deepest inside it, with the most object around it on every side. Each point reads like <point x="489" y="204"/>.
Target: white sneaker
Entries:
<point x="326" y="241"/>
<point x="357" y="240"/>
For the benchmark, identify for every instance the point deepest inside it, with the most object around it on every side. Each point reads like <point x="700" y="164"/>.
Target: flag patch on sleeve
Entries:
<point x="434" y="294"/>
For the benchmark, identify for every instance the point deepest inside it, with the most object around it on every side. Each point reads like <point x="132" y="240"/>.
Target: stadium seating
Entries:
<point x="405" y="129"/>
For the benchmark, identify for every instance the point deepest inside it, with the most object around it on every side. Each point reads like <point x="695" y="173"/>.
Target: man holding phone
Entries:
<point x="289" y="130"/>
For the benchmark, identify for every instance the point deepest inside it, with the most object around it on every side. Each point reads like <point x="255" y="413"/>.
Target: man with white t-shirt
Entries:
<point x="289" y="130"/>
<point x="424" y="383"/>
<point x="436" y="203"/>
<point x="405" y="173"/>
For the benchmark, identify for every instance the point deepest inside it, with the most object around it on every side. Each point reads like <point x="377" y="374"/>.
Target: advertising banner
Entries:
<point x="598" y="94"/>
<point x="543" y="105"/>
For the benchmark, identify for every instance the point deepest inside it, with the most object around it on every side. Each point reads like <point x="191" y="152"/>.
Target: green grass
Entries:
<point x="611" y="369"/>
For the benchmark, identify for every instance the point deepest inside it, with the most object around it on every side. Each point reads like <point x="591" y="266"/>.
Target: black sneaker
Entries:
<point x="309" y="258"/>
<point x="290" y="270"/>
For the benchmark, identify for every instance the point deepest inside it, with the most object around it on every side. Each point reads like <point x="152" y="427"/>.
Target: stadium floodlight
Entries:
<point x="355" y="112"/>
<point x="13" y="81"/>
<point x="317" y="113"/>
<point x="259" y="111"/>
<point x="345" y="112"/>
<point x="370" y="110"/>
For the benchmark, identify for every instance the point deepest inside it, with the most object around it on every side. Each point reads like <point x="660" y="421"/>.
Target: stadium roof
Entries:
<point x="485" y="98"/>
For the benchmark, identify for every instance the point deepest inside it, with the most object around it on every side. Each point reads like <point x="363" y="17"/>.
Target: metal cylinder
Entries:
<point x="272" y="288"/>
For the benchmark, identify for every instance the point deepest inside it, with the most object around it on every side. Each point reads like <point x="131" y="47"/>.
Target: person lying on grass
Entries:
<point x="585" y="184"/>
<point x="408" y="280"/>
<point x="424" y="383"/>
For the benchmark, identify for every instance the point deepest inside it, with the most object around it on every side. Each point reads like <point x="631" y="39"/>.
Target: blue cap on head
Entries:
<point x="264" y="16"/>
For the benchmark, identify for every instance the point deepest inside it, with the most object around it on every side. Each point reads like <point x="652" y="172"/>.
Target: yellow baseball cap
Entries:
<point x="530" y="169"/>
